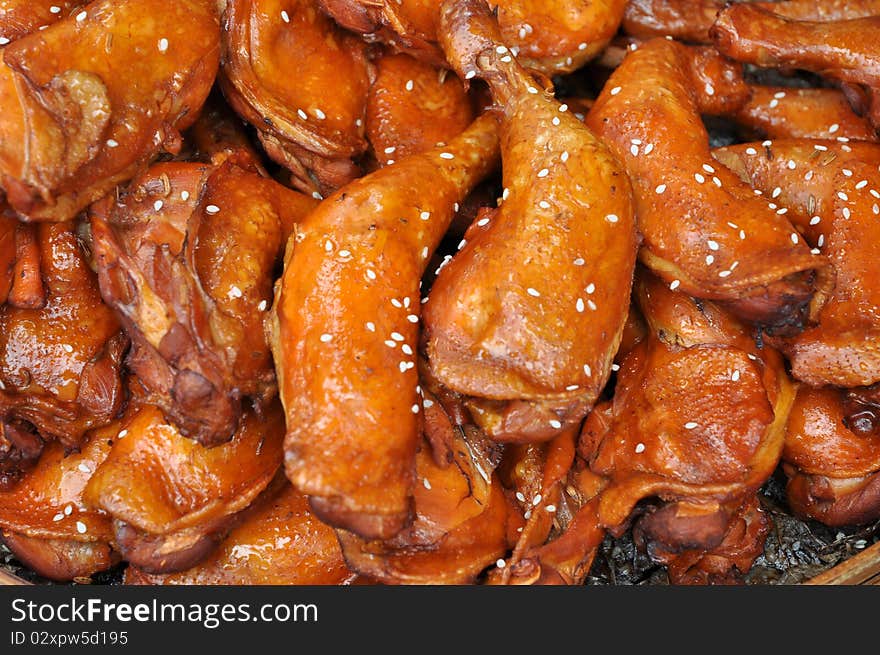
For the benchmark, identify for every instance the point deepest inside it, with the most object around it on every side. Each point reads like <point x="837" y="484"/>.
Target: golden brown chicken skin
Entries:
<point x="790" y="113"/>
<point x="697" y="420"/>
<point x="704" y="231"/>
<point x="344" y="328"/>
<point x="172" y="500"/>
<point x="832" y="458"/>
<point x="690" y="20"/>
<point x="461" y="513"/>
<point x="89" y="101"/>
<point x="44" y="519"/>
<point x="412" y="107"/>
<point x="277" y="541"/>
<point x="186" y="255"/>
<point x="19" y="18"/>
<point x="310" y="122"/>
<point x="60" y="364"/>
<point x="832" y="192"/>
<point x="532" y="306"/>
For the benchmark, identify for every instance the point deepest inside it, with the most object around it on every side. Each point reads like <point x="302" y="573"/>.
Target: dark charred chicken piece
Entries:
<point x="704" y="230"/>
<point x="171" y="500"/>
<point x="690" y="20"/>
<point x="276" y="541"/>
<point x="19" y="18"/>
<point x="832" y="456"/>
<point x="831" y="191"/>
<point x="87" y="102"/>
<point x="528" y="314"/>
<point x="46" y="523"/>
<point x="697" y="422"/>
<point x="412" y="107"/>
<point x="60" y="364"/>
<point x="555" y="36"/>
<point x="186" y="256"/>
<point x="310" y="122"/>
<point x="461" y="513"/>
<point x="344" y="329"/>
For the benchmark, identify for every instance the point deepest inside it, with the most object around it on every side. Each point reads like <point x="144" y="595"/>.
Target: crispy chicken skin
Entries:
<point x="44" y="519"/>
<point x="461" y="512"/>
<point x="344" y="327"/>
<point x="82" y="107"/>
<point x="186" y="256"/>
<point x="703" y="228"/>
<point x="697" y="420"/>
<point x="533" y="305"/>
<point x="276" y="541"/>
<point x="555" y="36"/>
<point x="311" y="122"/>
<point x="61" y="363"/>
<point x="832" y="458"/>
<point x="19" y="18"/>
<point x="412" y="107"/>
<point x="171" y="500"/>
<point x="690" y="20"/>
<point x="832" y="193"/>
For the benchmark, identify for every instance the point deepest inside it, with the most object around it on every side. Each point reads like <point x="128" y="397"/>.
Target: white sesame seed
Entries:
<point x="742" y="234"/>
<point x="782" y="210"/>
<point x="674" y="284"/>
<point x="588" y="371"/>
<point x="415" y="408"/>
<point x="709" y="259"/>
<point x="390" y="343"/>
<point x="67" y="348"/>
<point x="874" y="193"/>
<point x="158" y="205"/>
<point x="709" y="169"/>
<point x="815" y="220"/>
<point x="579" y="261"/>
<point x="780" y="94"/>
<point x="81" y="16"/>
<point x="80" y="527"/>
<point x="833" y="128"/>
<point x="821" y="240"/>
<point x="846" y="212"/>
<point x="794" y="237"/>
<point x="163" y="44"/>
<point x="84" y="468"/>
<point x="470" y="75"/>
<point x="68" y="510"/>
<point x="636" y="142"/>
<point x="572" y="387"/>
<point x="234" y="292"/>
<point x="774" y="103"/>
<point x="407" y="350"/>
<point x="660" y="188"/>
<point x="590" y="288"/>
<point x="699" y="178"/>
<point x="723" y="273"/>
<point x="555" y="424"/>
<point x="447" y="155"/>
<point x="58" y="517"/>
<point x="406" y="302"/>
<point x="713" y="245"/>
<point x="533" y="292"/>
<point x="820" y="147"/>
<point x="426" y="484"/>
<point x="396" y="303"/>
<point x="564" y="156"/>
<point x="710" y="90"/>
<point x="543" y="172"/>
<point x="579" y="305"/>
<point x="634" y="150"/>
<point x="735" y="376"/>
<point x="326" y="338"/>
<point x="550" y="508"/>
<point x="263" y="305"/>
<point x="520" y="497"/>
<point x="412" y="318"/>
<point x="482" y="222"/>
<point x="862" y="184"/>
<point x="776" y="192"/>
<point x="536" y="500"/>
<point x="212" y="209"/>
<point x="284" y="16"/>
<point x="397" y="336"/>
<point x="690" y="425"/>
<point x="846" y="172"/>
<point x="112" y="143"/>
<point x="612" y="218"/>
<point x="876" y="208"/>
<point x="717" y="182"/>
<point x="303" y="115"/>
<point x="649" y="148"/>
<point x="544" y="204"/>
<point x="640" y="447"/>
<point x="370" y="273"/>
<point x="808" y="176"/>
<point x="615" y="90"/>
<point x="370" y="326"/>
<point x="122" y="434"/>
<point x="767" y="143"/>
<point x="615" y="367"/>
<point x="390" y="149"/>
<point x="751" y="151"/>
<point x="54" y="9"/>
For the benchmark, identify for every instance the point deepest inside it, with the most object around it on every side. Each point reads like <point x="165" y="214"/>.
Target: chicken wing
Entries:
<point x="186" y="255"/>
<point x="832" y="457"/>
<point x="697" y="420"/>
<point x="704" y="230"/>
<point x="531" y="309"/>
<point x="46" y="523"/>
<point x="277" y="541"/>
<point x="344" y="329"/>
<point x="87" y="102"/>
<point x="832" y="191"/>
<point x="172" y="500"/>
<point x="311" y="122"/>
<point x="60" y="364"/>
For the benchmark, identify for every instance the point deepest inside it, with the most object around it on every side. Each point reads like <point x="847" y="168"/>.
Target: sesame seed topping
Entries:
<point x="774" y="103"/>
<point x="588" y="371"/>
<point x="409" y="85"/>
<point x="397" y="336"/>
<point x="370" y="273"/>
<point x="572" y="387"/>
<point x="533" y="292"/>
<point x="426" y="484"/>
<point x="590" y="288"/>
<point x="555" y="424"/>
<point x="184" y="195"/>
<point x="862" y="184"/>
<point x="68" y="509"/>
<point x="640" y="448"/>
<point x="751" y="151"/>
<point x="370" y="326"/>
<point x="470" y="75"/>
<point x="303" y="115"/>
<point x="80" y="527"/>
<point x="709" y="259"/>
<point x="543" y="172"/>
<point x="649" y="148"/>
<point x="81" y="16"/>
<point x="550" y="508"/>
<point x="390" y="149"/>
<point x="447" y="155"/>
<point x="724" y="273"/>
<point x="520" y="497"/>
<point x="776" y="192"/>
<point x="84" y="468"/>
<point x="412" y="318"/>
<point x="483" y="221"/>
<point x="407" y="350"/>
<point x="544" y="204"/>
<point x="212" y="209"/>
<point x="234" y="292"/>
<point x="555" y="120"/>
<point x="564" y="156"/>
<point x="163" y="44"/>
<point x="782" y="210"/>
<point x="158" y="205"/>
<point x="767" y="143"/>
<point x="674" y="284"/>
<point x="794" y="237"/>
<point x="58" y="517"/>
<point x="612" y="218"/>
<point x="634" y="150"/>
<point x="67" y="348"/>
<point x="821" y="240"/>
<point x="263" y="305"/>
<point x="615" y="90"/>
<point x="284" y="16"/>
<point x="54" y="9"/>
<point x="532" y="90"/>
<point x="815" y="220"/>
<point x="579" y="261"/>
<point x="742" y="234"/>
<point x="710" y="90"/>
<point x="112" y="143"/>
<point x="122" y="434"/>
<point x="833" y="128"/>
<point x="660" y="188"/>
<point x="396" y="303"/>
<point x="415" y="408"/>
<point x="713" y="245"/>
<point x="690" y="425"/>
<point x="717" y="181"/>
<point x="699" y="178"/>
<point x="808" y="176"/>
<point x="780" y="94"/>
<point x="846" y="212"/>
<point x="615" y="367"/>
<point x="842" y="195"/>
<point x="735" y="376"/>
<point x="390" y="343"/>
<point x="846" y="172"/>
<point x="537" y="500"/>
<point x="708" y="168"/>
<point x="876" y="208"/>
<point x="579" y="305"/>
<point x="326" y="338"/>
<point x="820" y="147"/>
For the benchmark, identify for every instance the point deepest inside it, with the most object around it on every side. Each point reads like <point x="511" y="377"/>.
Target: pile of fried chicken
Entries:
<point x="354" y="292"/>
